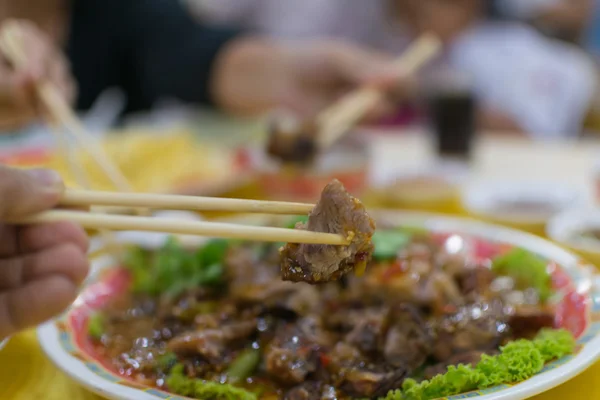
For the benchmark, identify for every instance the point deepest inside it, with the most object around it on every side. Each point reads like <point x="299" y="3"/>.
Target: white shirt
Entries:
<point x="544" y="85"/>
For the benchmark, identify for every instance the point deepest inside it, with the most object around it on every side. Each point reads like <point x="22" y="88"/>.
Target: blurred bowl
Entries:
<point x="433" y="188"/>
<point x="579" y="230"/>
<point x="347" y="161"/>
<point x="523" y="205"/>
<point x="426" y="191"/>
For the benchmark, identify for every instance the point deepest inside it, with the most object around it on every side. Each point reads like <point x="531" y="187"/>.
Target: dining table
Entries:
<point x="27" y="374"/>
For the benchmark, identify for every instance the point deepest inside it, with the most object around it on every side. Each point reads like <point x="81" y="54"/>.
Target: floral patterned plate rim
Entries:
<point x="65" y="339"/>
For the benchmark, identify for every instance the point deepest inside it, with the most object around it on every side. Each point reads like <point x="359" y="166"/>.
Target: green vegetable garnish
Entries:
<point x="170" y="265"/>
<point x="243" y="366"/>
<point x="96" y="326"/>
<point x="172" y="269"/>
<point x="554" y="344"/>
<point x="213" y="252"/>
<point x="180" y="384"/>
<point x="166" y="361"/>
<point x="517" y="361"/>
<point x="387" y="243"/>
<point x="137" y="261"/>
<point x="527" y="269"/>
<point x="292" y="223"/>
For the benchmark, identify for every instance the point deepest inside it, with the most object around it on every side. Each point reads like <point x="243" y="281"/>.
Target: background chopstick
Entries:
<point x="63" y="113"/>
<point x="177" y="226"/>
<point x="11" y="43"/>
<point x="74" y="197"/>
<point x="341" y="116"/>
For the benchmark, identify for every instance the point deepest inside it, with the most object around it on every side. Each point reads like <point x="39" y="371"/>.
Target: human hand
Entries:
<point x="45" y="63"/>
<point x="322" y="72"/>
<point x="41" y="266"/>
<point x="255" y="75"/>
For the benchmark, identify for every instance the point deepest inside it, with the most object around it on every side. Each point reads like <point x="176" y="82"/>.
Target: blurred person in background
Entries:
<point x="154" y="50"/>
<point x="525" y="82"/>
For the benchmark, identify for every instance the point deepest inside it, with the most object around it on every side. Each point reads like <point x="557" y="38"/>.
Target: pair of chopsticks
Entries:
<point x="12" y="44"/>
<point x="176" y="202"/>
<point x="336" y="120"/>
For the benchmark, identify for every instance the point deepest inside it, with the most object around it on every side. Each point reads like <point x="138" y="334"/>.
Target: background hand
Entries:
<point x="18" y="102"/>
<point x="255" y="75"/>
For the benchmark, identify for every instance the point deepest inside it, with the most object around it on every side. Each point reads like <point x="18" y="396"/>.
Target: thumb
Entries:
<point x="24" y="192"/>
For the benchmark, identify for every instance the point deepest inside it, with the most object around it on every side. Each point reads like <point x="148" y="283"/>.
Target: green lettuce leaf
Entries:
<point x="172" y="269"/>
<point x="554" y="344"/>
<point x="518" y="360"/>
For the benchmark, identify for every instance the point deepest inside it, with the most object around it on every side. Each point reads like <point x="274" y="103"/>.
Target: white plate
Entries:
<point x="483" y="199"/>
<point x="565" y="227"/>
<point x="57" y="340"/>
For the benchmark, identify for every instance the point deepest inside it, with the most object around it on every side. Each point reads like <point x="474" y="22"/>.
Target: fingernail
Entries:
<point x="48" y="178"/>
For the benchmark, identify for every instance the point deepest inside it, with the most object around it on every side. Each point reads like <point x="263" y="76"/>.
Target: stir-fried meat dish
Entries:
<point x="336" y="212"/>
<point x="293" y="142"/>
<point x="239" y="331"/>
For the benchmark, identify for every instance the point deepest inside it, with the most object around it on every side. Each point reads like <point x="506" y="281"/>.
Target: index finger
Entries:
<point x="38" y="54"/>
<point x="24" y="192"/>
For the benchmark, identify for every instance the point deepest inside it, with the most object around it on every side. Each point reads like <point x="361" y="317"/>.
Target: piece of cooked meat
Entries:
<point x="478" y="326"/>
<point x="363" y="383"/>
<point x="292" y="142"/>
<point x="358" y="376"/>
<point x="294" y="353"/>
<point x="312" y="390"/>
<point x="211" y="343"/>
<point x="299" y="299"/>
<point x="527" y="321"/>
<point x="336" y="212"/>
<point x="409" y="340"/>
<point x="476" y="280"/>
<point x="368" y="331"/>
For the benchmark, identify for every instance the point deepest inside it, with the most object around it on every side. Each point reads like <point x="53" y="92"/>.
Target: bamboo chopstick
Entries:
<point x="63" y="113"/>
<point x="82" y="180"/>
<point x="177" y="226"/>
<point x="75" y="197"/>
<point x="11" y="44"/>
<point x="335" y="121"/>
